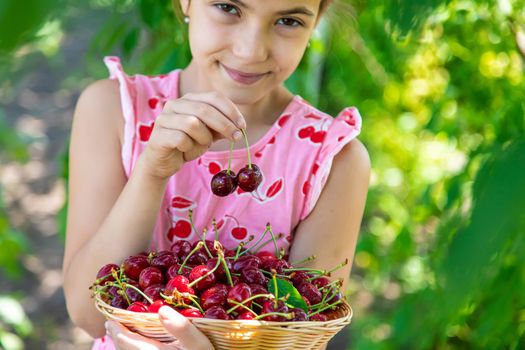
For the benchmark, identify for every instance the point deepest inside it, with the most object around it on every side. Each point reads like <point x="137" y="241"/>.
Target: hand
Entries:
<point x="188" y="336"/>
<point x="186" y="128"/>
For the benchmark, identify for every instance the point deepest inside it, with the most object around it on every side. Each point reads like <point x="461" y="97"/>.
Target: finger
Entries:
<point x="124" y="339"/>
<point x="190" y="124"/>
<point x="175" y="139"/>
<point x="209" y="115"/>
<point x="182" y="329"/>
<point x="195" y="153"/>
<point x="221" y="103"/>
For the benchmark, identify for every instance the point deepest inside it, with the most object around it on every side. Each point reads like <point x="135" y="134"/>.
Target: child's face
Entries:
<point x="230" y="37"/>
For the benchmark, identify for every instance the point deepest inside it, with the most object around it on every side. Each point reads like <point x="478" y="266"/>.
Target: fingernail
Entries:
<point x="241" y="124"/>
<point x="237" y="136"/>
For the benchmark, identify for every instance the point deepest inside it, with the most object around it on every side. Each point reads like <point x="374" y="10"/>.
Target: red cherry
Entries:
<point x="138" y="307"/>
<point x="305" y="133"/>
<point x="249" y="178"/>
<point x="154" y="308"/>
<point x="119" y="302"/>
<point x="246" y="261"/>
<point x="278" y="265"/>
<point x="153" y="291"/>
<point x="269" y="306"/>
<point x="321" y="281"/>
<point x="198" y="258"/>
<point x="106" y="271"/>
<point x="319" y="318"/>
<point x="217" y="312"/>
<point x="173" y="271"/>
<point x="190" y="313"/>
<point x="298" y="278"/>
<point x="239" y="293"/>
<point x="134" y="265"/>
<point x="163" y="260"/>
<point x="246" y="315"/>
<point x="150" y="275"/>
<point x="181" y="248"/>
<point x="179" y="283"/>
<point x="318" y="136"/>
<point x="209" y="244"/>
<point x="132" y="294"/>
<point x="223" y="183"/>
<point x="199" y="271"/>
<point x="298" y="314"/>
<point x="253" y="275"/>
<point x="310" y="292"/>
<point x="258" y="289"/>
<point x="214" y="296"/>
<point x="220" y="273"/>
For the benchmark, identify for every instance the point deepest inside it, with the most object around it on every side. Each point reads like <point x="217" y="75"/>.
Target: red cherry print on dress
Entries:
<point x="260" y="153"/>
<point x="313" y="116"/>
<point x="315" y="167"/>
<point x="153" y="102"/>
<point x="182" y="229"/>
<point x="349" y="117"/>
<point x="239" y="233"/>
<point x="181" y="203"/>
<point x="306" y="188"/>
<point x="318" y="136"/>
<point x="306" y="132"/>
<point x="145" y="131"/>
<point x="214" y="168"/>
<point x="282" y="121"/>
<point x="340" y="138"/>
<point x="275" y="188"/>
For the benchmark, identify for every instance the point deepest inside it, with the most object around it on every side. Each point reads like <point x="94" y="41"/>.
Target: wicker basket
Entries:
<point x="239" y="334"/>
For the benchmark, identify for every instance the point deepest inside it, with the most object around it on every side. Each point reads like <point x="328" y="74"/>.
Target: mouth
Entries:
<point x="243" y="77"/>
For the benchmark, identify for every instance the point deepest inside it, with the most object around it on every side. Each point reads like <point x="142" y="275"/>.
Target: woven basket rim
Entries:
<point x="149" y="316"/>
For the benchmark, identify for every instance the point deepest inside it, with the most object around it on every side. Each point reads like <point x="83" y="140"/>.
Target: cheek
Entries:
<point x="205" y="38"/>
<point x="288" y="57"/>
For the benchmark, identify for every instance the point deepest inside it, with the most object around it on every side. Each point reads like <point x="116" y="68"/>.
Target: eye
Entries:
<point x="227" y="8"/>
<point x="289" y="22"/>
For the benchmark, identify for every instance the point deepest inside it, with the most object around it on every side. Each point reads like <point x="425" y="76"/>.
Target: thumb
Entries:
<point x="182" y="329"/>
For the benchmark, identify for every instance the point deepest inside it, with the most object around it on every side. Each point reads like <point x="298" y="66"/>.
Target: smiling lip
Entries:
<point x="241" y="77"/>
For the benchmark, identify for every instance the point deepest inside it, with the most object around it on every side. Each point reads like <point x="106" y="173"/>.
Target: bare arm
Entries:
<point x="111" y="217"/>
<point x="98" y="186"/>
<point x="330" y="232"/>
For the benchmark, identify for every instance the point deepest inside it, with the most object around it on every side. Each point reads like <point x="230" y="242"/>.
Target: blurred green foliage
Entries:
<point x="440" y="85"/>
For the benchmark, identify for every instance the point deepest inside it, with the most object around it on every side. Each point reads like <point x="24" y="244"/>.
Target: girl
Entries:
<point x="144" y="149"/>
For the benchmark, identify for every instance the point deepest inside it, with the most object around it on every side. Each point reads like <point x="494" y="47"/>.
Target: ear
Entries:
<point x="185" y="6"/>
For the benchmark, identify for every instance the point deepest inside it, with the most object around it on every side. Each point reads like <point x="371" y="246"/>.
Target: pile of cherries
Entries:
<point x="248" y="179"/>
<point x="206" y="280"/>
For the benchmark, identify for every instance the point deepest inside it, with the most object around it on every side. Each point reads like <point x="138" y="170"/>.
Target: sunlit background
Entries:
<point x="440" y="85"/>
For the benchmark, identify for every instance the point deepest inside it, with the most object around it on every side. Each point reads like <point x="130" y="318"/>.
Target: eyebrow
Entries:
<point x="300" y="9"/>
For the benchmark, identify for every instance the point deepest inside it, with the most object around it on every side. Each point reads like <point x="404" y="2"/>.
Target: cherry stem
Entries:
<point x="274" y="280"/>
<point x="338" y="267"/>
<point x="338" y="282"/>
<point x="240" y="305"/>
<point x="288" y="315"/>
<point x="247" y="148"/>
<point x="310" y="258"/>
<point x="321" y="272"/>
<point x="120" y="285"/>
<point x="255" y="244"/>
<point x="279" y="236"/>
<point x="220" y="256"/>
<point x="197" y="247"/>
<point x="230" y="157"/>
<point x="140" y="292"/>
<point x="214" y="223"/>
<point x="203" y="238"/>
<point x="276" y="274"/>
<point x="246" y="300"/>
<point x="325" y="308"/>
<point x="239" y="247"/>
<point x="324" y="300"/>
<point x="206" y="274"/>
<point x="269" y="228"/>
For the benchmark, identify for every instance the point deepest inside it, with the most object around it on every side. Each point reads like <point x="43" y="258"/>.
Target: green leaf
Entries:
<point x="283" y="288"/>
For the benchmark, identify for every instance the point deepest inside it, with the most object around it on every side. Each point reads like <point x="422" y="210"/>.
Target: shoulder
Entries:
<point x="353" y="161"/>
<point x="99" y="106"/>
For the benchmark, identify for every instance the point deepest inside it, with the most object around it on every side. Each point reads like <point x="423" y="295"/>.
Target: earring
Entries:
<point x="186" y="19"/>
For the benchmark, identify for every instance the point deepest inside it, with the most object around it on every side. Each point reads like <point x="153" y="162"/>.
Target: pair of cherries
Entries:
<point x="226" y="181"/>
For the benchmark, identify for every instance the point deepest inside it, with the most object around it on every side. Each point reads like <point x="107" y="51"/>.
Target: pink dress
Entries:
<point x="295" y="157"/>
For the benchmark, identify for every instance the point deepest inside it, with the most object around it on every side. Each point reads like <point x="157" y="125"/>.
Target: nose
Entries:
<point x="251" y="44"/>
